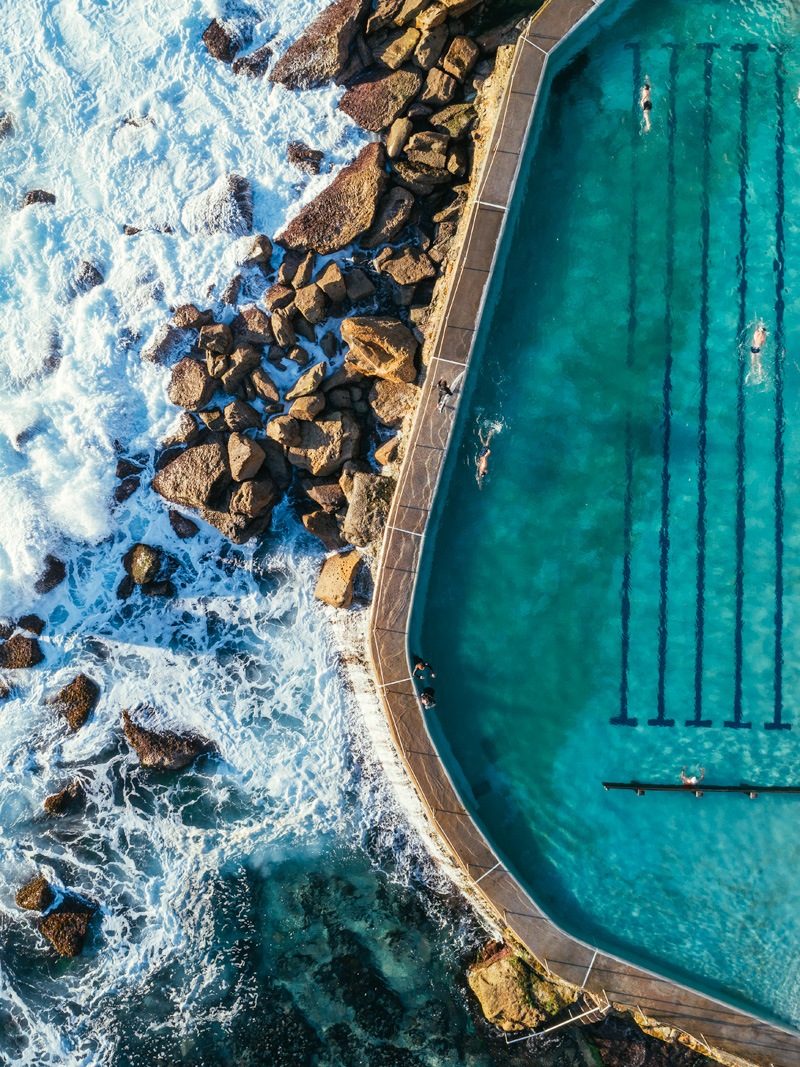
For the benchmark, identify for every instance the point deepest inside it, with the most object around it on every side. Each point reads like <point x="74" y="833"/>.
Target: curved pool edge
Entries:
<point x="708" y="1021"/>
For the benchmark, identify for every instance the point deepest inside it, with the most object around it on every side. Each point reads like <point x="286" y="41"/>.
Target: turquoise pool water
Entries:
<point x="621" y="598"/>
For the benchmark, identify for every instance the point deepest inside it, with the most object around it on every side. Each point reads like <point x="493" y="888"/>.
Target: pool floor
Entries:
<point x="620" y="599"/>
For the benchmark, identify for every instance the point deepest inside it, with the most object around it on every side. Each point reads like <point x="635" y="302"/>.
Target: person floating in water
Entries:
<point x="691" y="780"/>
<point x="759" y="339"/>
<point x="483" y="456"/>
<point x="444" y="392"/>
<point x="420" y="668"/>
<point x="646" y="105"/>
<point x="427" y="698"/>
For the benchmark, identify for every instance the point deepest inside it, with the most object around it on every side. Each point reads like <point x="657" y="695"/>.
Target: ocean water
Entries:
<point x="620" y="598"/>
<point x="270" y="905"/>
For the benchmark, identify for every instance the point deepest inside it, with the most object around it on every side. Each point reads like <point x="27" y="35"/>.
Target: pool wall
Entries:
<point x="711" y="1022"/>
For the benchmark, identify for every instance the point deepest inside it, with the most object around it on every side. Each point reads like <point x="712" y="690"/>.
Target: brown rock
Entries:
<point x="167" y="342"/>
<point x="339" y="400"/>
<point x="213" y="420"/>
<point x="388" y="452"/>
<point x="184" y="433"/>
<point x="368" y="506"/>
<point x="191" y="386"/>
<point x="77" y="700"/>
<point x="71" y="796"/>
<point x="408" y="266"/>
<point x="310" y="302"/>
<point x="419" y="178"/>
<point x="398" y="48"/>
<point x="284" y="430"/>
<point x="329" y="343"/>
<point x="189" y="317"/>
<point x="290" y="264"/>
<point x="460" y="57"/>
<point x="305" y="271"/>
<point x="335" y="582"/>
<point x="239" y="415"/>
<point x="328" y="495"/>
<point x="253" y="498"/>
<point x="32" y="623"/>
<point x="35" y="895"/>
<point x="307" y="407"/>
<point x="254" y="327"/>
<point x="303" y="157"/>
<point x="308" y="382"/>
<point x="264" y="387"/>
<point x="230" y="294"/>
<point x="53" y="574"/>
<point x="331" y="281"/>
<point x="142" y="563"/>
<point x="384" y="12"/>
<point x="408" y="11"/>
<point x="216" y="338"/>
<point x="19" y="653"/>
<point x="255" y="65"/>
<point x="512" y="995"/>
<point x="359" y="286"/>
<point x="216" y="365"/>
<point x="321" y="53"/>
<point x="282" y="328"/>
<point x="326" y="444"/>
<point x="382" y="347"/>
<point x="243" y="360"/>
<point x="432" y="16"/>
<point x="454" y="120"/>
<point x="278" y="296"/>
<point x="245" y="457"/>
<point x="164" y="750"/>
<point x="220" y="41"/>
<point x="196" y="477"/>
<point x="399" y="132"/>
<point x="323" y="524"/>
<point x="66" y="927"/>
<point x="392" y="402"/>
<point x="344" y="210"/>
<point x="183" y="526"/>
<point x="377" y="100"/>
<point x="440" y="88"/>
<point x="430" y="47"/>
<point x="429" y="148"/>
<point x="38" y="196"/>
<point x="237" y="528"/>
<point x="349" y="471"/>
<point x="458" y="160"/>
<point x="259" y="253"/>
<point x="394" y="212"/>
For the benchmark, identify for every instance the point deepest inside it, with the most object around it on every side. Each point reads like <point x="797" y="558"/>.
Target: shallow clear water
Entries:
<point x="251" y="907"/>
<point x="621" y="598"/>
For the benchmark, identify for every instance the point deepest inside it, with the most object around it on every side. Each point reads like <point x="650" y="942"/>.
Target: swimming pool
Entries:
<point x="619" y="599"/>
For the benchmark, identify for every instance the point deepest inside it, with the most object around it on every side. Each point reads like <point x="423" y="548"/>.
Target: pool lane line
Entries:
<point x="624" y="719"/>
<point x="780" y="418"/>
<point x="666" y="402"/>
<point x="702" y="413"/>
<point x="741" y="410"/>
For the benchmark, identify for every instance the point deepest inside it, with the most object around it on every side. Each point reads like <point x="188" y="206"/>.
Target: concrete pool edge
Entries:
<point x="707" y="1020"/>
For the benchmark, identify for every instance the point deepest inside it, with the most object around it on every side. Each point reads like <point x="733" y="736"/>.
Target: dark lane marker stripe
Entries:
<point x="624" y="719"/>
<point x="780" y="420"/>
<point x="666" y="403"/>
<point x="741" y="412"/>
<point x="702" y="416"/>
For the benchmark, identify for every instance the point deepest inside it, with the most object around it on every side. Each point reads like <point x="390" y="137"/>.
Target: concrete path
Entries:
<point x="666" y="1002"/>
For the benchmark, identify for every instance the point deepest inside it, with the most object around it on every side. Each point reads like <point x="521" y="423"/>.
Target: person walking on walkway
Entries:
<point x="444" y="392"/>
<point x="646" y="105"/>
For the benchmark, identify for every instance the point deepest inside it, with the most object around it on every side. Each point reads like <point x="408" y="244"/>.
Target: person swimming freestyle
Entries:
<point x="482" y="459"/>
<point x="646" y="105"/>
<point x="759" y="340"/>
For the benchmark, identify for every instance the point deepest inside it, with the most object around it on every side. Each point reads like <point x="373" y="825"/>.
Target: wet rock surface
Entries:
<point x="225" y="207"/>
<point x="70" y="798"/>
<point x="20" y="652"/>
<point x="67" y="926"/>
<point x="35" y="895"/>
<point x="164" y="750"/>
<point x="77" y="700"/>
<point x="321" y="53"/>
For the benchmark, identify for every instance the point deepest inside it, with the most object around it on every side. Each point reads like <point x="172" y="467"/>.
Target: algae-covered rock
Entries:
<point x="511" y="993"/>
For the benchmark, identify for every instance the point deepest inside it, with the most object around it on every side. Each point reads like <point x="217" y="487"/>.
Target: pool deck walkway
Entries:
<point x="664" y="1002"/>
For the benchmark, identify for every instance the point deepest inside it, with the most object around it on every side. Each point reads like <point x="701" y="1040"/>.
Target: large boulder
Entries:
<point x="326" y="444"/>
<point x="71" y="796"/>
<point x="254" y="497"/>
<point x="77" y="700"/>
<point x="53" y="574"/>
<point x="308" y="382"/>
<point x="19" y="652"/>
<point x="236" y="527"/>
<point x="196" y="477"/>
<point x="368" y="506"/>
<point x="67" y="926"/>
<point x="166" y="343"/>
<point x="394" y="211"/>
<point x="191" y="386"/>
<point x="164" y="750"/>
<point x="376" y="101"/>
<point x="321" y="53"/>
<point x="35" y="895"/>
<point x="226" y="207"/>
<point x="344" y="210"/>
<point x="221" y="41"/>
<point x="392" y="402"/>
<point x="323" y="524"/>
<point x="245" y="456"/>
<point x="512" y="995"/>
<point x="335" y="582"/>
<point x="407" y="266"/>
<point x="381" y="347"/>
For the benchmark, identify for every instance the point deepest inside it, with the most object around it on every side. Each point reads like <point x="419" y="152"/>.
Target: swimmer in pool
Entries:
<point x="483" y="456"/>
<point x="759" y="339"/>
<point x="691" y="780"/>
<point x="646" y="105"/>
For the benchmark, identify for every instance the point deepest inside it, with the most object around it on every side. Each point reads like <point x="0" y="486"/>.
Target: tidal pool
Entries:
<point x="620" y="598"/>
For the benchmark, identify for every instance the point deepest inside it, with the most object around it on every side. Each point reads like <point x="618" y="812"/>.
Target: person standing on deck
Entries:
<point x="444" y="392"/>
<point x="646" y="105"/>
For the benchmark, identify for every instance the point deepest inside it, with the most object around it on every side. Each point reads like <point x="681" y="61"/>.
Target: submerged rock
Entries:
<point x="321" y="53"/>
<point x="66" y="927"/>
<point x="344" y="210"/>
<point x="226" y="207"/>
<point x="38" y="196"/>
<point x="164" y="750"/>
<point x="35" y="895"/>
<point x="33" y="623"/>
<point x="166" y="343"/>
<point x="77" y="700"/>
<point x="54" y="573"/>
<point x="71" y="796"/>
<point x="183" y="526"/>
<point x="303" y="157"/>
<point x="335" y="582"/>
<point x="255" y="65"/>
<point x="87" y="277"/>
<point x="196" y="477"/>
<point x="142" y="563"/>
<point x="20" y="652"/>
